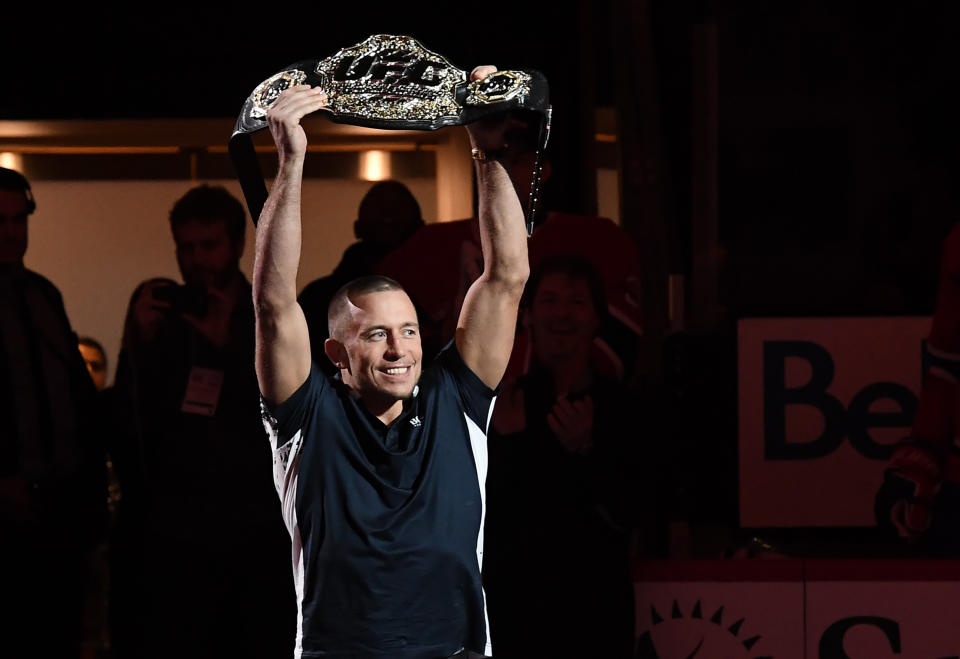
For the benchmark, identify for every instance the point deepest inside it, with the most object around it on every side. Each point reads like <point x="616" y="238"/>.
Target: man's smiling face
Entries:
<point x="562" y="318"/>
<point x="381" y="344"/>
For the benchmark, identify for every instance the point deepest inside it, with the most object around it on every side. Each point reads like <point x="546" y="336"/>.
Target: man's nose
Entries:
<point x="394" y="346"/>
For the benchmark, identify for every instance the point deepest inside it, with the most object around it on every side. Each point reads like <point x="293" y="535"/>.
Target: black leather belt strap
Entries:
<point x="392" y="82"/>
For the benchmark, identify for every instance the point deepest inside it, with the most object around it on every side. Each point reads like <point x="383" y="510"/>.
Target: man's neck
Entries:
<point x="386" y="411"/>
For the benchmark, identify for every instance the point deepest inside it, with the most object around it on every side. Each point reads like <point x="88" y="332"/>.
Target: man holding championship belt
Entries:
<point x="381" y="469"/>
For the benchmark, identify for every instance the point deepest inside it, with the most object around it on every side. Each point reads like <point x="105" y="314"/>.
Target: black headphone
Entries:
<point x="11" y="179"/>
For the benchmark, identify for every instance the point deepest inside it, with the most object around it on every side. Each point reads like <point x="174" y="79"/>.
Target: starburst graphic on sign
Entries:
<point x="694" y="637"/>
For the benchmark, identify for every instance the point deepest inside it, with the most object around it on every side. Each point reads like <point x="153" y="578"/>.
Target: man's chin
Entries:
<point x="398" y="391"/>
<point x="404" y="393"/>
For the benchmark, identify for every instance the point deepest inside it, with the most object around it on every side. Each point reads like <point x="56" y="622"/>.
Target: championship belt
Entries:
<point x="392" y="82"/>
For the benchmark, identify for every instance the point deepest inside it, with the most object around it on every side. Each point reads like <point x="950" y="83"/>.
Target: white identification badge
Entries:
<point x="203" y="391"/>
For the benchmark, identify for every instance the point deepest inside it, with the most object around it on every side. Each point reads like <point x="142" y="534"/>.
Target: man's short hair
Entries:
<point x="361" y="286"/>
<point x="207" y="203"/>
<point x="574" y="267"/>
<point x="11" y="179"/>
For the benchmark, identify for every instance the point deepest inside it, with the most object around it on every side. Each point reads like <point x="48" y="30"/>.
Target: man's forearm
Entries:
<point x="277" y="256"/>
<point x="503" y="234"/>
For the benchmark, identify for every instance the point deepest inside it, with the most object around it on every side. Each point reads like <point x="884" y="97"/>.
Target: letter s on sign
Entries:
<point x="831" y="643"/>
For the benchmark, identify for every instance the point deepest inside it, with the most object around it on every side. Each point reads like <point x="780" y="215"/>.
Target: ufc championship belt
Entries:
<point x="392" y="82"/>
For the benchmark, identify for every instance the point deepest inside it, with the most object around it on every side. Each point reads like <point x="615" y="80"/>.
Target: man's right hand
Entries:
<point x="284" y="117"/>
<point x="149" y="313"/>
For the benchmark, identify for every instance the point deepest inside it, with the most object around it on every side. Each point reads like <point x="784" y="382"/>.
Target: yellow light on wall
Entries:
<point x="374" y="165"/>
<point x="11" y="161"/>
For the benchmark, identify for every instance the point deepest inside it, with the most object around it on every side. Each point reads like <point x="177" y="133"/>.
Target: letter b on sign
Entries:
<point x="838" y="423"/>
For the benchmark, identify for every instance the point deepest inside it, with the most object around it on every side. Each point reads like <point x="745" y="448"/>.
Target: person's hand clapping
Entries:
<point x="572" y="423"/>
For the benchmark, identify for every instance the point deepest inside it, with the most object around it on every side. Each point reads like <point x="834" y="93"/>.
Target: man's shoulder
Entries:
<point x="316" y="394"/>
<point x="448" y="373"/>
<point x="41" y="282"/>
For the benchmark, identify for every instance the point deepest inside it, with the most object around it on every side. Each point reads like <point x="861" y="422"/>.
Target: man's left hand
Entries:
<point x="491" y="134"/>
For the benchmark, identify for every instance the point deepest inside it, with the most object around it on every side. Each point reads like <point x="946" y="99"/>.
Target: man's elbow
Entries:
<point x="511" y="281"/>
<point x="516" y="273"/>
<point x="271" y="296"/>
<point x="269" y="305"/>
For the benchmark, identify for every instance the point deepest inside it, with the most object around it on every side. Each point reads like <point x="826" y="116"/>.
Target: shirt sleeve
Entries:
<point x="477" y="397"/>
<point x="290" y="415"/>
<point x="284" y="424"/>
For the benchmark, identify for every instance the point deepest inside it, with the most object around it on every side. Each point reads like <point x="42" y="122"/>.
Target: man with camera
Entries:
<point x="196" y="512"/>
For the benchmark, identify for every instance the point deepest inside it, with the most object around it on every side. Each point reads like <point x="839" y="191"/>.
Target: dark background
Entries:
<point x="837" y="121"/>
<point x="163" y="61"/>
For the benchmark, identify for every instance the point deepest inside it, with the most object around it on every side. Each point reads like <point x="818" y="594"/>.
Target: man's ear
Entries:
<point x="336" y="353"/>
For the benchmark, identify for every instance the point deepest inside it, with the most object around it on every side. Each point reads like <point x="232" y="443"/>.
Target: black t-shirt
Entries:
<point x="386" y="522"/>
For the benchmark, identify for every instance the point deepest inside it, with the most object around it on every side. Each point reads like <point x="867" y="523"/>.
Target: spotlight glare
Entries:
<point x="11" y="161"/>
<point x="375" y="165"/>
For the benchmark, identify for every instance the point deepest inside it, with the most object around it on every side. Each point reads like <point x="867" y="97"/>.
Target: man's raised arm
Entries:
<point x="283" y="342"/>
<point x="488" y="318"/>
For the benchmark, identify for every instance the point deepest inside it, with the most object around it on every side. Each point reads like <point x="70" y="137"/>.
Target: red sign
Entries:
<point x="730" y="620"/>
<point x="821" y="401"/>
<point x="798" y="609"/>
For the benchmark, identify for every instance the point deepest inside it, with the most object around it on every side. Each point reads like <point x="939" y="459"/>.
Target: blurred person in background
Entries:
<point x="52" y="489"/>
<point x="919" y="499"/>
<point x="96" y="360"/>
<point x="198" y="547"/>
<point x="573" y="464"/>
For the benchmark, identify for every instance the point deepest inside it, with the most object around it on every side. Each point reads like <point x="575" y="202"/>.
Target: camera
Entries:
<point x="183" y="298"/>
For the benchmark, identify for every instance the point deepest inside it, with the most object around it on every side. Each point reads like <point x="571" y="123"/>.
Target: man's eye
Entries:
<point x="379" y="334"/>
<point x="410" y="331"/>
